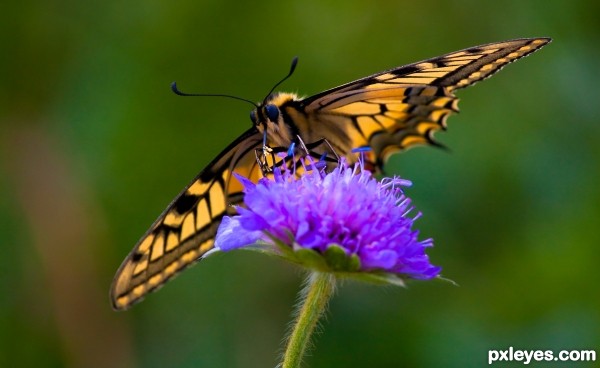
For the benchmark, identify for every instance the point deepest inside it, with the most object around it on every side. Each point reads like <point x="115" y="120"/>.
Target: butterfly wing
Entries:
<point x="186" y="229"/>
<point x="399" y="108"/>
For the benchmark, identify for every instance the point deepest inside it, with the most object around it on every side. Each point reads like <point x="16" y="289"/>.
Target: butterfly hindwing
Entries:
<point x="186" y="229"/>
<point x="386" y="120"/>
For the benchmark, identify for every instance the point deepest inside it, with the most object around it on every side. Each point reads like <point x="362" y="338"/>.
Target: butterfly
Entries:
<point x="389" y="112"/>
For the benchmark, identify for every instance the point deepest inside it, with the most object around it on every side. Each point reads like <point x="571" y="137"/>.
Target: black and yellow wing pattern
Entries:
<point x="185" y="230"/>
<point x="389" y="112"/>
<point x="402" y="107"/>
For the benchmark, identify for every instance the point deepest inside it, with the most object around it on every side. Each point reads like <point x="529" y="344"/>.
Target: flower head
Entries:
<point x="354" y="222"/>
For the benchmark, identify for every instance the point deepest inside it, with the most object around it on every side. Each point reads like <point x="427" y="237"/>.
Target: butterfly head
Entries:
<point x="268" y="117"/>
<point x="263" y="115"/>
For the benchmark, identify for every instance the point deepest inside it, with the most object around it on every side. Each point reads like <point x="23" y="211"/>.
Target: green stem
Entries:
<point x="313" y="301"/>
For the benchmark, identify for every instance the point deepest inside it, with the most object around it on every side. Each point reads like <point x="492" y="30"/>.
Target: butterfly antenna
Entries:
<point x="292" y="68"/>
<point x="179" y="93"/>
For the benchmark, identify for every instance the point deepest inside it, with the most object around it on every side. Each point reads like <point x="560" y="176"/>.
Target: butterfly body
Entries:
<point x="389" y="111"/>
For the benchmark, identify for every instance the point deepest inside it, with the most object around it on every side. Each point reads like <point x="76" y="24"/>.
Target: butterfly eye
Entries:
<point x="253" y="116"/>
<point x="272" y="112"/>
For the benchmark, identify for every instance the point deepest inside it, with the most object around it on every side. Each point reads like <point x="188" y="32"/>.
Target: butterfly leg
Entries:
<point x="265" y="158"/>
<point x="326" y="153"/>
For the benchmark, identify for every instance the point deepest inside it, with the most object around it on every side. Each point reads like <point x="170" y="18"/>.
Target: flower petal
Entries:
<point x="231" y="234"/>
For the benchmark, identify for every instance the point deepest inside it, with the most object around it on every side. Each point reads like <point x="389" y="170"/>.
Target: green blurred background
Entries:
<point x="94" y="145"/>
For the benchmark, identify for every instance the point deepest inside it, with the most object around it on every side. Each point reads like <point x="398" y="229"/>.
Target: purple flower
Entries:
<point x="348" y="219"/>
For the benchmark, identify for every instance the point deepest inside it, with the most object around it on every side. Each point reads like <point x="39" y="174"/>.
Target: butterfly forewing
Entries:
<point x="185" y="231"/>
<point x="445" y="71"/>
